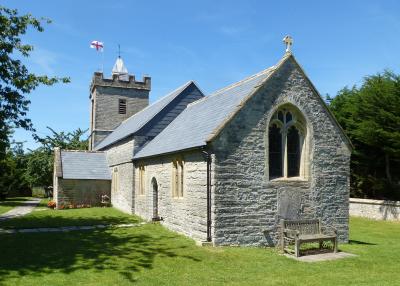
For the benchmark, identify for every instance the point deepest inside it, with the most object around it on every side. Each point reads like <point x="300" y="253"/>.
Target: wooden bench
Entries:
<point x="301" y="231"/>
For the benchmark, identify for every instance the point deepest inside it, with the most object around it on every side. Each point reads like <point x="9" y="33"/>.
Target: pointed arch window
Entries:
<point x="177" y="178"/>
<point x="115" y="180"/>
<point x="286" y="144"/>
<point x="142" y="180"/>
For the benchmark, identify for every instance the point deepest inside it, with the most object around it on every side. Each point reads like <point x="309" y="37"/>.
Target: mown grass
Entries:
<point x="45" y="217"/>
<point x="151" y="255"/>
<point x="10" y="203"/>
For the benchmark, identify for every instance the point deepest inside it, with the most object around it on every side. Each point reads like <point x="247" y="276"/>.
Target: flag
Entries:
<point x="97" y="45"/>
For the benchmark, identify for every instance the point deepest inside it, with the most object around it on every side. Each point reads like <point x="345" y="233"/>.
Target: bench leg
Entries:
<point x="335" y="245"/>
<point x="297" y="248"/>
<point x="320" y="245"/>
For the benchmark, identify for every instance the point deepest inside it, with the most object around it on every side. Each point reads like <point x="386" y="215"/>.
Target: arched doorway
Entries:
<point x="155" y="199"/>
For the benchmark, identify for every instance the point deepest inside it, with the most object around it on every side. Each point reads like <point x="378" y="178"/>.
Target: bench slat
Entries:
<point x="308" y="230"/>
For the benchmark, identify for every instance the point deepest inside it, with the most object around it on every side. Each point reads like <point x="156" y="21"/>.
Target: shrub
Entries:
<point x="52" y="204"/>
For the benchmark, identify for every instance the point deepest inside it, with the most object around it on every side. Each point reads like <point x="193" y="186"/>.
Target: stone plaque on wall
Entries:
<point x="293" y="204"/>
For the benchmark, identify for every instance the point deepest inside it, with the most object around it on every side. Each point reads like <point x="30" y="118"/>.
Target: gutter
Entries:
<point x="207" y="157"/>
<point x="168" y="153"/>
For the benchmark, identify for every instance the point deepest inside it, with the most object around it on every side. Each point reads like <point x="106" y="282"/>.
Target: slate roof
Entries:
<point x="138" y="120"/>
<point x="84" y="165"/>
<point x="202" y="118"/>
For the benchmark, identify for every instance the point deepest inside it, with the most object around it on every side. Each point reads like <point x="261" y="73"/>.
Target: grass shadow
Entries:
<point x="72" y="217"/>
<point x="16" y="199"/>
<point x="14" y="202"/>
<point x="125" y="251"/>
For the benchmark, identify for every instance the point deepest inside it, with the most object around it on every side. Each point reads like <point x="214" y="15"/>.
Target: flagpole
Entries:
<point x="99" y="46"/>
<point x="102" y="60"/>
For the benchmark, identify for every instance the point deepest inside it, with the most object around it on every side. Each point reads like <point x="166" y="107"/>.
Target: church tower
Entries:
<point x="112" y="100"/>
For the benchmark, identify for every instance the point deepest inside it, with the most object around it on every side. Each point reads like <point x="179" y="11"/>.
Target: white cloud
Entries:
<point x="44" y="60"/>
<point x="231" y="31"/>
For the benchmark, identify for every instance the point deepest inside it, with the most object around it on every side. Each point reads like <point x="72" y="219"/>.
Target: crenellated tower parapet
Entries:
<point x="118" y="82"/>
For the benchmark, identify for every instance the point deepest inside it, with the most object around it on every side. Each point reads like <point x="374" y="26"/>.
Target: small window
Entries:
<point x="177" y="178"/>
<point x="141" y="180"/>
<point x="115" y="180"/>
<point x="122" y="106"/>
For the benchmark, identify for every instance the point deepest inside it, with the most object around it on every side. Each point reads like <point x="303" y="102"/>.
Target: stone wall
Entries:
<point x="375" y="209"/>
<point x="77" y="192"/>
<point x="120" y="156"/>
<point x="186" y="215"/>
<point x="247" y="205"/>
<point x="106" y="105"/>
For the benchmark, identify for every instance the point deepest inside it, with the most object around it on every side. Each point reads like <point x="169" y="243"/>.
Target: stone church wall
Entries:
<point x="120" y="156"/>
<point x="186" y="215"/>
<point x="248" y="206"/>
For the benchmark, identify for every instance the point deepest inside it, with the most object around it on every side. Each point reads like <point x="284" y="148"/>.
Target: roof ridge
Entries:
<point x="242" y="81"/>
<point x="232" y="85"/>
<point x="272" y="70"/>
<point x="150" y="105"/>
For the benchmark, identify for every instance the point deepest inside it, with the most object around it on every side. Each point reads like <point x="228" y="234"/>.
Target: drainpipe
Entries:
<point x="207" y="157"/>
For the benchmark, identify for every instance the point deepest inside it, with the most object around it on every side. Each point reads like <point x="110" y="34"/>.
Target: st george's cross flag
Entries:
<point x="97" y="45"/>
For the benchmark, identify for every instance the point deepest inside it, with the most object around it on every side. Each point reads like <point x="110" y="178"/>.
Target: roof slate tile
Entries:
<point x="84" y="165"/>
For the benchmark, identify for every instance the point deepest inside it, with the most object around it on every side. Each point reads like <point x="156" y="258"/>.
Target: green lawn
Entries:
<point x="10" y="203"/>
<point x="45" y="217"/>
<point x="151" y="255"/>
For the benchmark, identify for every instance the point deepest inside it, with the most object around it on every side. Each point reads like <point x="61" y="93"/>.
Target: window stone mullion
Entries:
<point x="284" y="153"/>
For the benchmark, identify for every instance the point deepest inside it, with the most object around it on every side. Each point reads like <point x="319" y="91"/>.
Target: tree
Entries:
<point x="370" y="116"/>
<point x="15" y="79"/>
<point x="39" y="163"/>
<point x="12" y="175"/>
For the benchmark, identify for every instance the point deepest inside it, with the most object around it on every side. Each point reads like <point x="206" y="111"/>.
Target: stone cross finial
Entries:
<point x="288" y="40"/>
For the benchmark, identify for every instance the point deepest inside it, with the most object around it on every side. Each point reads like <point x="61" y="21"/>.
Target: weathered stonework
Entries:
<point x="120" y="156"/>
<point x="76" y="192"/>
<point x="186" y="215"/>
<point x="247" y="205"/>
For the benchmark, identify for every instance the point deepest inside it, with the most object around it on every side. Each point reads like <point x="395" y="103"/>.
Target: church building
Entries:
<point x="222" y="168"/>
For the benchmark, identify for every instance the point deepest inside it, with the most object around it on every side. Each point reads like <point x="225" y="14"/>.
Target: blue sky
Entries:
<point x="213" y="42"/>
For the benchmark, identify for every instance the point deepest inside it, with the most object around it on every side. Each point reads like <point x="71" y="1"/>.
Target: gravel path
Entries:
<point x="26" y="208"/>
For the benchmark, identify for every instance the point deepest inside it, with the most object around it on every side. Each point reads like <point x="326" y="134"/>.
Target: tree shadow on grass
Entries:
<point x="360" y="242"/>
<point x="76" y="217"/>
<point x="125" y="251"/>
<point x="15" y="199"/>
